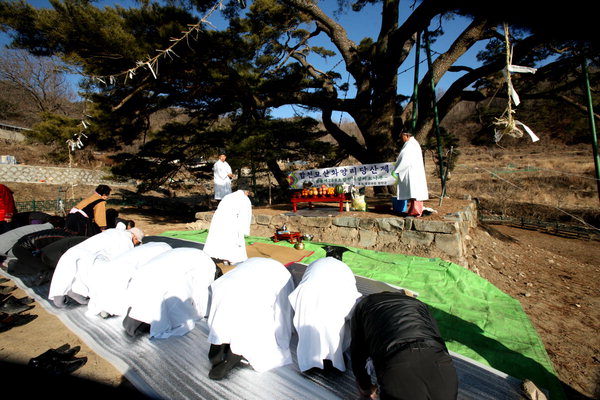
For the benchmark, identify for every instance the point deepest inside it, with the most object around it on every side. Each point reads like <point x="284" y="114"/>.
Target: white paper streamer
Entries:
<point x="533" y="136"/>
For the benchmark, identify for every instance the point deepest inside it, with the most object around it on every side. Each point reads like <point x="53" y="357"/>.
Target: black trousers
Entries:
<point x="418" y="372"/>
<point x="51" y="253"/>
<point x="81" y="225"/>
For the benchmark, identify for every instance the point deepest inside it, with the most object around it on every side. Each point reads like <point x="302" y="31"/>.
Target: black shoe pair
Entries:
<point x="10" y="321"/>
<point x="223" y="361"/>
<point x="12" y="305"/>
<point x="59" y="361"/>
<point x="220" y="370"/>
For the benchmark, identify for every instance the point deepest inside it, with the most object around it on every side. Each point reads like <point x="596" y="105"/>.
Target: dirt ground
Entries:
<point x="554" y="278"/>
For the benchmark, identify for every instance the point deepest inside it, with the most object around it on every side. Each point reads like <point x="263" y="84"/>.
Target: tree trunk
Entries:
<point x="279" y="175"/>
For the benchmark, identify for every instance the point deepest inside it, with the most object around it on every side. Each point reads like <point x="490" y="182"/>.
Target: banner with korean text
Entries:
<point x="380" y="174"/>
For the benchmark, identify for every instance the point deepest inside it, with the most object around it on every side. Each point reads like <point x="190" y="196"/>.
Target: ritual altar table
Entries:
<point x="291" y="236"/>
<point x="319" y="199"/>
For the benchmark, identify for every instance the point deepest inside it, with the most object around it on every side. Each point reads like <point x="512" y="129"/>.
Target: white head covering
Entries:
<point x="138" y="233"/>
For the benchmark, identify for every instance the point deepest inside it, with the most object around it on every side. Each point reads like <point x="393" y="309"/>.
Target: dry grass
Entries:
<point x="543" y="183"/>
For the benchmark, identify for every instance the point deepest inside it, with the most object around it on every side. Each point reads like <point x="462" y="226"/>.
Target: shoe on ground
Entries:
<point x="7" y="289"/>
<point x="4" y="280"/>
<point x="67" y="367"/>
<point x="63" y="353"/>
<point x="11" y="305"/>
<point x="220" y="370"/>
<point x="56" y="366"/>
<point x="25" y="300"/>
<point x="10" y="321"/>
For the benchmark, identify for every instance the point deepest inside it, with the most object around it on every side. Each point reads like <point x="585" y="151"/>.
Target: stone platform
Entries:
<point x="441" y="234"/>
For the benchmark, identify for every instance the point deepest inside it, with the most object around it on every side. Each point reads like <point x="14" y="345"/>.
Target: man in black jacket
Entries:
<point x="402" y="339"/>
<point x="29" y="251"/>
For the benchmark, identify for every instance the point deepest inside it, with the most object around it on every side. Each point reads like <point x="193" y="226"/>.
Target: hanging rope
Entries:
<point x="506" y="124"/>
<point x="152" y="63"/>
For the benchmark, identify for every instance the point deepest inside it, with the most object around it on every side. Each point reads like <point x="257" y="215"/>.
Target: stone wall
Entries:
<point x="53" y="175"/>
<point x="12" y="135"/>
<point x="423" y="237"/>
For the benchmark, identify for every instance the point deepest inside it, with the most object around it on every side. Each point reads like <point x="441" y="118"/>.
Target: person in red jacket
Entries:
<point x="7" y="208"/>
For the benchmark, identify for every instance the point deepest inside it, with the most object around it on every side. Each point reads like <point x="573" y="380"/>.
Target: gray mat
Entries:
<point x="177" y="368"/>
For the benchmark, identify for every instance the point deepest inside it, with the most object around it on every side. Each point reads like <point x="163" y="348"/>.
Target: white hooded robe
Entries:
<point x="170" y="292"/>
<point x="222" y="180"/>
<point x="74" y="267"/>
<point x="110" y="279"/>
<point x="250" y="310"/>
<point x="230" y="223"/>
<point x="322" y="302"/>
<point x="410" y="169"/>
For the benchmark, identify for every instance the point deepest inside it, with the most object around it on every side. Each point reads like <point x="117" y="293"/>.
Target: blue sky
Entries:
<point x="358" y="25"/>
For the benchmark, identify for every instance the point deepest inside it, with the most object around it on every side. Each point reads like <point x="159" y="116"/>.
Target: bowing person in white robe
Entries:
<point x="170" y="292"/>
<point x="250" y="314"/>
<point x="72" y="273"/>
<point x="410" y="171"/>
<point x="110" y="279"/>
<point x="222" y="177"/>
<point x="230" y="223"/>
<point x="322" y="303"/>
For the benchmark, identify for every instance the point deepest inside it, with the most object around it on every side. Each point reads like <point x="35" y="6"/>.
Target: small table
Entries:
<point x="291" y="236"/>
<point x="320" y="199"/>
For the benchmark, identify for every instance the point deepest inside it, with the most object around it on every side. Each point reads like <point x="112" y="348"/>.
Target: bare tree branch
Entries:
<point x="40" y="77"/>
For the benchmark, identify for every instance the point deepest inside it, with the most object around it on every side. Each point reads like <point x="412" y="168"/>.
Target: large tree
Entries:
<point x="288" y="27"/>
<point x="263" y="61"/>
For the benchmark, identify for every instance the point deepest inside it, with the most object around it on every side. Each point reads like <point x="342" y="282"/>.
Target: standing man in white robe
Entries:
<point x="222" y="177"/>
<point x="72" y="274"/>
<point x="410" y="171"/>
<point x="250" y="316"/>
<point x="230" y="223"/>
<point x="322" y="304"/>
<point x="170" y="292"/>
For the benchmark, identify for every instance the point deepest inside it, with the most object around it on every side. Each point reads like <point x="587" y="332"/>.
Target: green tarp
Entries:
<point x="476" y="319"/>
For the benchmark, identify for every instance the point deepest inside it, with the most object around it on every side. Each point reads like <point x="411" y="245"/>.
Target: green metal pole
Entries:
<point x="592" y="122"/>
<point x="415" y="96"/>
<point x="436" y="119"/>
